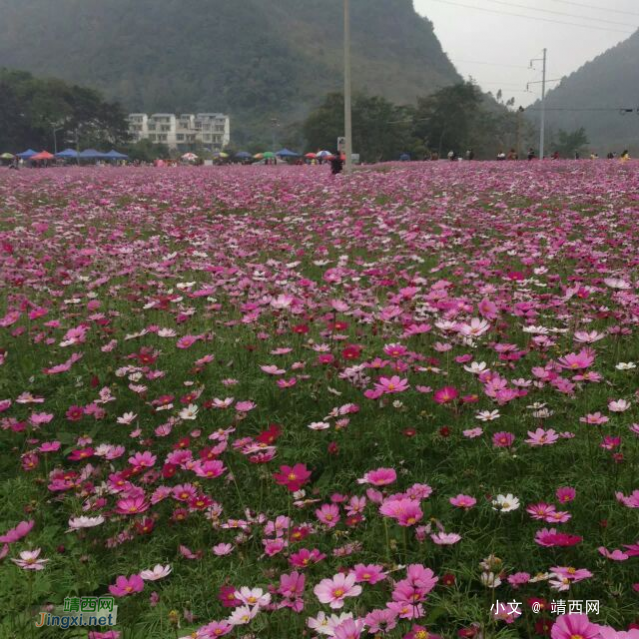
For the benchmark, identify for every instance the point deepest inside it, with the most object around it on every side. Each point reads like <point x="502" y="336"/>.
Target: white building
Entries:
<point x="183" y="132"/>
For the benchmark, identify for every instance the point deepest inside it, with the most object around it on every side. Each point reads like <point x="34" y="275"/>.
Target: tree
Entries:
<point x="445" y="120"/>
<point x="34" y="110"/>
<point x="381" y="130"/>
<point x="569" y="143"/>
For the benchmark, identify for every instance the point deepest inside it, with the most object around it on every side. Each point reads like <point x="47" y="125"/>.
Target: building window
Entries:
<point x="180" y="137"/>
<point x="153" y="137"/>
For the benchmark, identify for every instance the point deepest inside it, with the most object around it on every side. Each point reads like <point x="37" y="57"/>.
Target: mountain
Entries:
<point x="592" y="97"/>
<point x="255" y="59"/>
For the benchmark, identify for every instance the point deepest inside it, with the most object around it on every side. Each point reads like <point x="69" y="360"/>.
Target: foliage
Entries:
<point x="147" y="151"/>
<point x="32" y="108"/>
<point x="255" y="59"/>
<point x="569" y="143"/>
<point x="454" y="118"/>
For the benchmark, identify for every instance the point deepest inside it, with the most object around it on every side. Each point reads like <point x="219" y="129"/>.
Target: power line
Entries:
<point x="591" y="6"/>
<point x="556" y="13"/>
<point x="491" y="64"/>
<point x="521" y="15"/>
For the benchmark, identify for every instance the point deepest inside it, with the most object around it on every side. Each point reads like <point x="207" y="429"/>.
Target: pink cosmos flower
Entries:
<point x="615" y="555"/>
<point x="391" y="385"/>
<point x="17" y="533"/>
<point x="503" y="440"/>
<point x="463" y="501"/>
<point x="349" y="629"/>
<point x="577" y="361"/>
<point x="125" y="586"/>
<point x="445" y="395"/>
<point x="550" y="537"/>
<point x="222" y="549"/>
<point x="596" y="419"/>
<point x="518" y="579"/>
<point x="380" y="621"/>
<point x="574" y="626"/>
<point x="30" y="560"/>
<point x="334" y="591"/>
<point x="541" y="437"/>
<point x="566" y="494"/>
<point x="606" y="632"/>
<point x="632" y="501"/>
<point x="371" y="573"/>
<point x="406" y="512"/>
<point x="445" y="539"/>
<point x="379" y="477"/>
<point x="328" y="514"/>
<point x="472" y="433"/>
<point x="132" y="506"/>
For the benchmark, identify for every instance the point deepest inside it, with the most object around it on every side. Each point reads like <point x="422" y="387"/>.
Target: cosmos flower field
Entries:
<point x="266" y="402"/>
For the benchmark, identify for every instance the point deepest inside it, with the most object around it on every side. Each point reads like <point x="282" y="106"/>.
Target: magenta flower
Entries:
<point x="132" y="506"/>
<point x="503" y="440"/>
<point x="379" y="477"/>
<point x="463" y="501"/>
<point x="125" y="586"/>
<point x="391" y="385"/>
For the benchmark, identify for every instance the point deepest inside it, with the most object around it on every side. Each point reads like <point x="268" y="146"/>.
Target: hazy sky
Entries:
<point x="496" y="48"/>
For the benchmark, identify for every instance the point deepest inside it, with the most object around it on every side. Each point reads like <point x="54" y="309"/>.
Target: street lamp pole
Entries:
<point x="348" y="107"/>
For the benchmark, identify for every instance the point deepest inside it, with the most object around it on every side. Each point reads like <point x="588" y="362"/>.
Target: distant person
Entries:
<point x="501" y="156"/>
<point x="531" y="153"/>
<point x="555" y="155"/>
<point x="577" y="156"/>
<point x="337" y="164"/>
<point x="512" y="155"/>
<point x="470" y="154"/>
<point x="452" y="156"/>
<point x="625" y="155"/>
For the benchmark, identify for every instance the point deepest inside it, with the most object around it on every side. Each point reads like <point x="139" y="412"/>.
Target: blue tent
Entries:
<point x="243" y="155"/>
<point x="67" y="154"/>
<point x="25" y="155"/>
<point x="92" y="154"/>
<point x="114" y="155"/>
<point x="285" y="153"/>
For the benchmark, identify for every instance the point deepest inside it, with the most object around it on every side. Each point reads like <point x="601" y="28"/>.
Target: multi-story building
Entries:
<point x="184" y="132"/>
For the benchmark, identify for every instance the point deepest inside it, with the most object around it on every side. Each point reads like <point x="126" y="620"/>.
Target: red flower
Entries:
<point x="270" y="435"/>
<point x="227" y="597"/>
<point x="544" y="626"/>
<point x="448" y="579"/>
<point x="352" y="352"/>
<point x="75" y="413"/>
<point x="293" y="477"/>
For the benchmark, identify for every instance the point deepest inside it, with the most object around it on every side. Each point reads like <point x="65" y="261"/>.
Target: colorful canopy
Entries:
<point x="189" y="157"/>
<point x="243" y="155"/>
<point x="268" y="155"/>
<point x="114" y="155"/>
<point x="43" y="155"/>
<point x="6" y="156"/>
<point x="311" y="156"/>
<point x="92" y="154"/>
<point x="68" y="153"/>
<point x="324" y="154"/>
<point x="25" y="155"/>
<point x="287" y="153"/>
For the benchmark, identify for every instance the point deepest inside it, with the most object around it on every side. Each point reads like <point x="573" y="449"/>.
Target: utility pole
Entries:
<point x="348" y="107"/>
<point x="542" y="128"/>
<point x="542" y="132"/>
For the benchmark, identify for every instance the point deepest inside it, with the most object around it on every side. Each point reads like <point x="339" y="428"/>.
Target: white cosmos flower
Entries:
<point x="157" y="572"/>
<point x="505" y="503"/>
<point x="490" y="579"/>
<point x="618" y="406"/>
<point x="319" y="426"/>
<point x="487" y="415"/>
<point x="242" y="615"/>
<point x="253" y="596"/>
<point x="76" y="523"/>
<point x="476" y="368"/>
<point x="190" y="412"/>
<point x="625" y="366"/>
